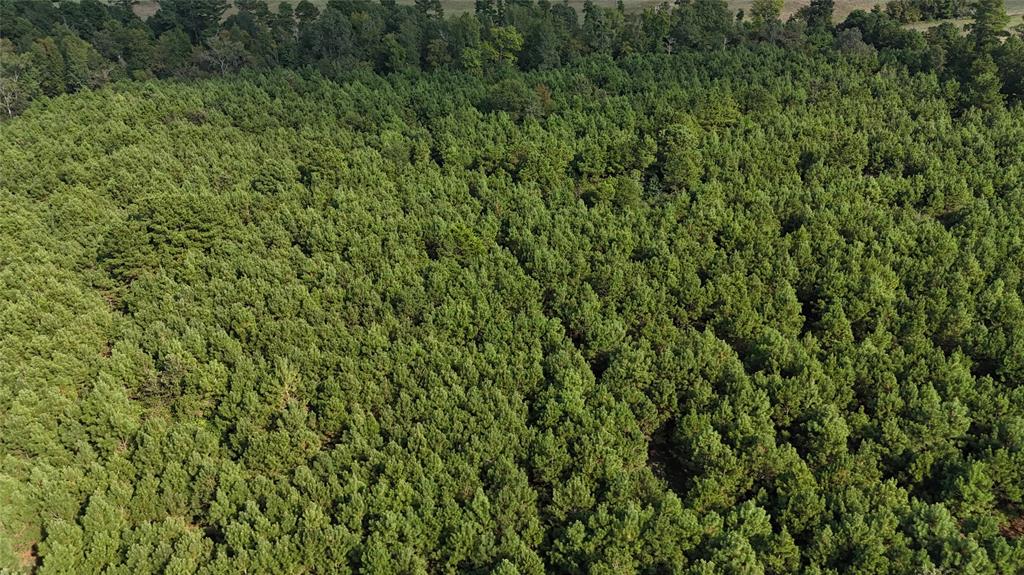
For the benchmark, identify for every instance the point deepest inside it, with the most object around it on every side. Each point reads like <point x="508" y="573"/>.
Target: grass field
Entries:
<point x="1015" y="8"/>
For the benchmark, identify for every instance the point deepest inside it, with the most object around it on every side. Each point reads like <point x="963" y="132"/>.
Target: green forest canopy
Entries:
<point x="738" y="298"/>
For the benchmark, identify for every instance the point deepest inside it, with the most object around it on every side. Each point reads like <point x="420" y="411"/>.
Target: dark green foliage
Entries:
<point x="989" y="24"/>
<point x="199" y="18"/>
<point x="100" y="42"/>
<point x="817" y="15"/>
<point x="702" y="24"/>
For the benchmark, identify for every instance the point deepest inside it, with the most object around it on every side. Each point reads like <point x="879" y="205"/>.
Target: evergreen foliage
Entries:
<point x="389" y="292"/>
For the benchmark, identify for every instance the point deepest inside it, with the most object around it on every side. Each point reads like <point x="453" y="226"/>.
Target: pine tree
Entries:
<point x="989" y="26"/>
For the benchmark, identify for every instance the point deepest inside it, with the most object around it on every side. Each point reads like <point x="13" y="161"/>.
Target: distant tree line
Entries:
<point x="51" y="48"/>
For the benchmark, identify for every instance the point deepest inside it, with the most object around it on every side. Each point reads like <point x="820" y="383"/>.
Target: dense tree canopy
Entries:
<point x="392" y="292"/>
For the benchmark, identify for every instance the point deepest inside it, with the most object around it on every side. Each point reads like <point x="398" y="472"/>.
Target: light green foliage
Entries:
<point x="765" y="11"/>
<point x="504" y="45"/>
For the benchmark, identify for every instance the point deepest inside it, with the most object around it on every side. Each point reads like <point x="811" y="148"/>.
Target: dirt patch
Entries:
<point x="27" y="557"/>
<point x="146" y="8"/>
<point x="1014" y="528"/>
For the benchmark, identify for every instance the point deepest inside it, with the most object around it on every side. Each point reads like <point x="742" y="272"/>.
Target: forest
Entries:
<point x="359" y="287"/>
